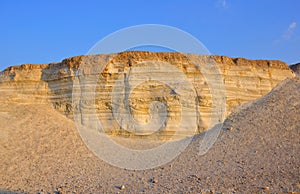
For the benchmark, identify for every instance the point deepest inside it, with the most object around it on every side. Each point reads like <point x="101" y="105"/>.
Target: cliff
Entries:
<point x="244" y="80"/>
<point x="296" y="68"/>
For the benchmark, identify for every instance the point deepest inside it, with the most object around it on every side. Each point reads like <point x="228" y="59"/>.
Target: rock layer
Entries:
<point x="144" y="78"/>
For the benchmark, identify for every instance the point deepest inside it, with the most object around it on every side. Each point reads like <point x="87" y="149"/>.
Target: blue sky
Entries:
<point x="49" y="31"/>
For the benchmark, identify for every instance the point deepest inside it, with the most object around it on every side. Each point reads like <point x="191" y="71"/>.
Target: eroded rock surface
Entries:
<point x="296" y="68"/>
<point x="97" y="78"/>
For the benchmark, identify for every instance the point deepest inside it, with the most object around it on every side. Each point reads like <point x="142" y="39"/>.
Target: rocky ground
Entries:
<point x="256" y="152"/>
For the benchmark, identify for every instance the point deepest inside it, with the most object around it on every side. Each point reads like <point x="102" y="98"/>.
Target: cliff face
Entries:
<point x="40" y="83"/>
<point x="296" y="68"/>
<point x="244" y="80"/>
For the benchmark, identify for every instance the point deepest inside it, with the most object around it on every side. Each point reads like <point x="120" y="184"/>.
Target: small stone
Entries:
<point x="123" y="187"/>
<point x="209" y="191"/>
<point x="265" y="188"/>
<point x="154" y="180"/>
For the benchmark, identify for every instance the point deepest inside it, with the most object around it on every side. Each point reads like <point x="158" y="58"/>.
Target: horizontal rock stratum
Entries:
<point x="136" y="83"/>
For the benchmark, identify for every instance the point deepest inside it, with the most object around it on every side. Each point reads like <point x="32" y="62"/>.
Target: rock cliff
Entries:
<point x="243" y="80"/>
<point x="296" y="68"/>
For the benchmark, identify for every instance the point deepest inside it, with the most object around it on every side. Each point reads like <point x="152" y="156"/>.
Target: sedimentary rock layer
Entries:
<point x="123" y="89"/>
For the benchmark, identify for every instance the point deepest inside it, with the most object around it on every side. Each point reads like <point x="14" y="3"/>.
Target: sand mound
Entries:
<point x="41" y="151"/>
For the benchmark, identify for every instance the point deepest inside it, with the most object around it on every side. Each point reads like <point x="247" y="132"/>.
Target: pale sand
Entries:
<point x="41" y="150"/>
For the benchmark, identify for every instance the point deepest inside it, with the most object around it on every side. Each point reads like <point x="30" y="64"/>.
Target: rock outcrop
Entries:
<point x="296" y="68"/>
<point x="144" y="78"/>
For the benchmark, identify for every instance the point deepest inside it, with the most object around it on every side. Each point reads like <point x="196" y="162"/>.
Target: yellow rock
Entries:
<point x="244" y="80"/>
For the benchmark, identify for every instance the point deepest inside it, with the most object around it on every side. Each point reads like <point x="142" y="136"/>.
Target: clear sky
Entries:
<point x="49" y="31"/>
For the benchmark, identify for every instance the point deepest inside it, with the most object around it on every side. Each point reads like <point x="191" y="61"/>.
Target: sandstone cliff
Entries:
<point x="244" y="80"/>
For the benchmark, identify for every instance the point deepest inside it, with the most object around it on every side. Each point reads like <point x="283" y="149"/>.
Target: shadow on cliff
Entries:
<point x="60" y="85"/>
